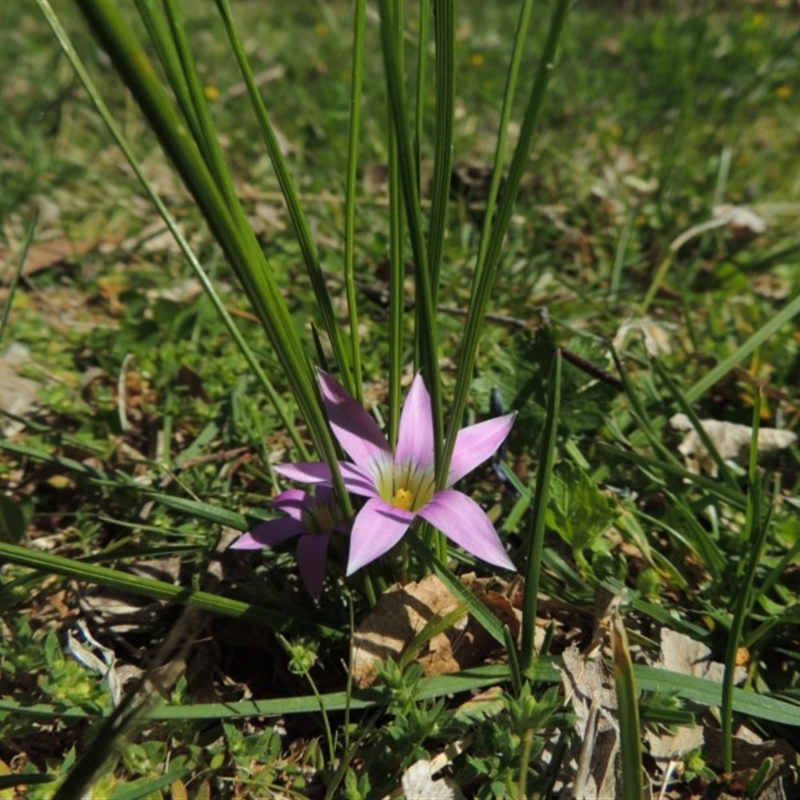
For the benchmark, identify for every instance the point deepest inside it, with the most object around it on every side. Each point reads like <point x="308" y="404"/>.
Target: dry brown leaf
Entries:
<point x="741" y="220"/>
<point x="731" y="440"/>
<point x="402" y="612"/>
<point x="655" y="335"/>
<point x="685" y="656"/>
<point x="594" y="700"/>
<point x="42" y="255"/>
<point x="17" y="393"/>
<point x="399" y="615"/>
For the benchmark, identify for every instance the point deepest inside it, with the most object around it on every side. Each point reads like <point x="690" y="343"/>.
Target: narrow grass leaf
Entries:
<point x="359" y="27"/>
<point x="628" y="703"/>
<point x="14" y="282"/>
<point x="300" y="224"/>
<point x="149" y="787"/>
<point x="536" y="531"/>
<point x="116" y="133"/>
<point x="444" y="34"/>
<point x="762" y="335"/>
<point x="423" y="34"/>
<point x="426" y="329"/>
<point x="228" y="224"/>
<point x="754" y="536"/>
<point x="487" y="270"/>
<point x="159" y="590"/>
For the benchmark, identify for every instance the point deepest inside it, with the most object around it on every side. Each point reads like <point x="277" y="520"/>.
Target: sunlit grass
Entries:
<point x="151" y="443"/>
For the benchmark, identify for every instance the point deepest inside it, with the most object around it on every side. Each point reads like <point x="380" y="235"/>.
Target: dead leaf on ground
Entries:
<point x="654" y="335"/>
<point x="683" y="655"/>
<point x="731" y="440"/>
<point x="402" y="612"/>
<point x="589" y="687"/>
<point x="42" y="255"/>
<point x="17" y="393"/>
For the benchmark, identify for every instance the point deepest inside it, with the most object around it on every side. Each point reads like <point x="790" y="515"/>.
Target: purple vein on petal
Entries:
<point x="357" y="480"/>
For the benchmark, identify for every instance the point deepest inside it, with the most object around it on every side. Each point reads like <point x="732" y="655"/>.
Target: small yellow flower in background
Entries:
<point x="757" y="20"/>
<point x="321" y="29"/>
<point x="477" y="59"/>
<point x="784" y="91"/>
<point x="615" y="131"/>
<point x="211" y="92"/>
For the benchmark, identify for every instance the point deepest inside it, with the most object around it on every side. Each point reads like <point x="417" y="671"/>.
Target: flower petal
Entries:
<point x="312" y="555"/>
<point x="463" y="521"/>
<point x="377" y="528"/>
<point x="476" y="443"/>
<point x="415" y="432"/>
<point x="358" y="481"/>
<point x="268" y="534"/>
<point x="305" y="472"/>
<point x="323" y="496"/>
<point x="292" y="502"/>
<point x="357" y="432"/>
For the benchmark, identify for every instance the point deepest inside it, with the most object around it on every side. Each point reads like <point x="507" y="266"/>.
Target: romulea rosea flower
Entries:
<point x="401" y="486"/>
<point x="312" y="518"/>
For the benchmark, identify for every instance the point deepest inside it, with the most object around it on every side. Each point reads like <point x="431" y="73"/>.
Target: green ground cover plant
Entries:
<point x="340" y="329"/>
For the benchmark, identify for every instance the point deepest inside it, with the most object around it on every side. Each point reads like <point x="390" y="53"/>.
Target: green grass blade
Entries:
<point x="486" y="272"/>
<point x="228" y="225"/>
<point x="422" y="75"/>
<point x="479" y="611"/>
<point x="199" y="510"/>
<point x="632" y="784"/>
<point x="692" y="689"/>
<point x="205" y="134"/>
<point x="426" y="331"/>
<point x="536" y="531"/>
<point x="300" y="224"/>
<point x="12" y="286"/>
<point x="157" y="29"/>
<point x="397" y="268"/>
<point x="149" y="787"/>
<point x="359" y="27"/>
<point x="208" y="286"/>
<point x="158" y="590"/>
<point x="510" y="91"/>
<point x="653" y="467"/>
<point x="445" y="34"/>
<point x="687" y="409"/>
<point x="764" y="333"/>
<point x="754" y="535"/>
<point x="709" y="693"/>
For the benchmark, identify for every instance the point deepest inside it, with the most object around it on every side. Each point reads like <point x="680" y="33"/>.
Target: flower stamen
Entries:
<point x="403" y="499"/>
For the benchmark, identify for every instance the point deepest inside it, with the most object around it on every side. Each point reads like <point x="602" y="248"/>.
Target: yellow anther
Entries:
<point x="403" y="499"/>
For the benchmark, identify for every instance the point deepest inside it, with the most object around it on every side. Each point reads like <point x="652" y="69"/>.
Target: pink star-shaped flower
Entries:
<point x="401" y="486"/>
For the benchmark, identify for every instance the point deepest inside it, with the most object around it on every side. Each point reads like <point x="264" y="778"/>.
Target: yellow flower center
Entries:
<point x="403" y="499"/>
